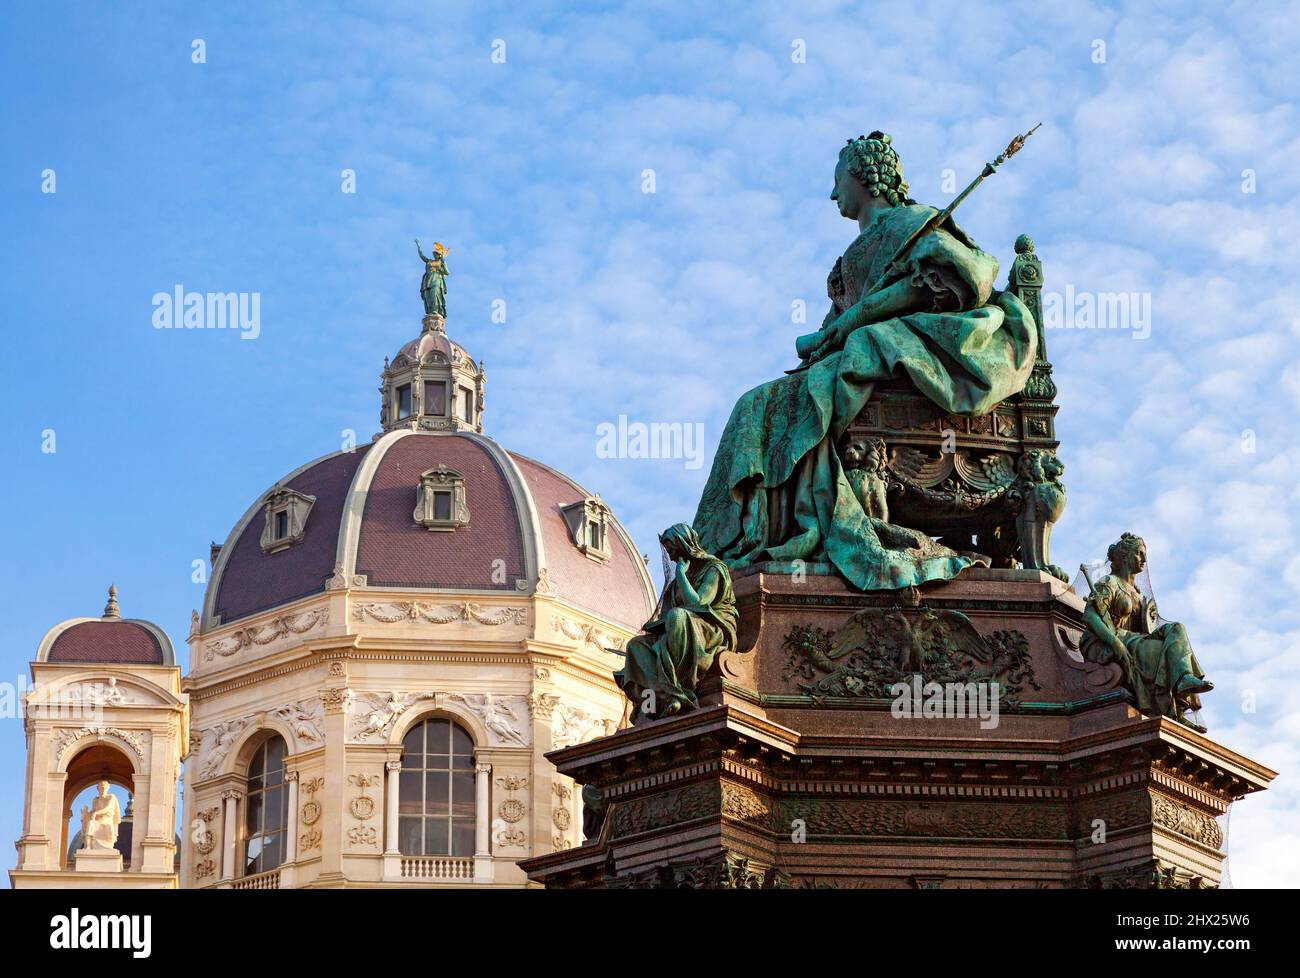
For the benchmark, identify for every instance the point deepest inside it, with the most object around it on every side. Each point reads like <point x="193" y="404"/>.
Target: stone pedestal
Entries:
<point x="97" y="861"/>
<point x="799" y="768"/>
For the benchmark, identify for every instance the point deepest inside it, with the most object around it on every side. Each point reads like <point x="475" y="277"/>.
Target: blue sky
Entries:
<point x="664" y="306"/>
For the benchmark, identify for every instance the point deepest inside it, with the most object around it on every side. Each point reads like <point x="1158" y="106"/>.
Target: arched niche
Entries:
<point x="96" y="761"/>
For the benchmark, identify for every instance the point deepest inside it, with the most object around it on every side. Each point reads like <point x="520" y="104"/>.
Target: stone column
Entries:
<point x="394" y="769"/>
<point x="335" y="700"/>
<point x="482" y="821"/>
<point x="228" y="834"/>
<point x="291" y="828"/>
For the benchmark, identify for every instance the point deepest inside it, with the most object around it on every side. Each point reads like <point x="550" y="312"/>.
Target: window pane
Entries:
<point x="404" y="401"/>
<point x="435" y="397"/>
<point x="253" y="855"/>
<point x="253" y="821"/>
<point x="413" y="746"/>
<point x="270" y="853"/>
<point x="409" y="842"/>
<point x="255" y="766"/>
<point x="281" y="525"/>
<point x="461" y="742"/>
<point x="462" y="793"/>
<point x="441" y="505"/>
<point x="439" y="736"/>
<point x="436" y="793"/>
<point x="437" y="836"/>
<point x="467" y="404"/>
<point x="462" y="838"/>
<point x="410" y="800"/>
<point x="273" y="802"/>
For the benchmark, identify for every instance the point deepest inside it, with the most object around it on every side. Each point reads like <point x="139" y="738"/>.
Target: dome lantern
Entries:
<point x="432" y="384"/>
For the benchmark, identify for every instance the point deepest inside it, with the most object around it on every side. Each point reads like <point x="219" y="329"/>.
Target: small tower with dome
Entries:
<point x="106" y="722"/>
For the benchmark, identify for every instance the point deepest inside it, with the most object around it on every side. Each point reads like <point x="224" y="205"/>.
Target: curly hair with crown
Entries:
<point x="875" y="163"/>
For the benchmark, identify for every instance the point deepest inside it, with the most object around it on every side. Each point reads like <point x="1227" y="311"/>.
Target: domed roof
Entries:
<point x="361" y="530"/>
<point x="110" y="639"/>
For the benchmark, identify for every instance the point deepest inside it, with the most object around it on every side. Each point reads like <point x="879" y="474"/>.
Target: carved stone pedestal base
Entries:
<point x="799" y="770"/>
<point x="97" y="861"/>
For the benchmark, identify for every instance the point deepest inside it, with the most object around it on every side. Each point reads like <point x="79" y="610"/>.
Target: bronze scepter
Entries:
<point x="894" y="269"/>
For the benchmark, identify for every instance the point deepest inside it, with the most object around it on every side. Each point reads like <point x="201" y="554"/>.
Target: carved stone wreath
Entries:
<point x="512" y="810"/>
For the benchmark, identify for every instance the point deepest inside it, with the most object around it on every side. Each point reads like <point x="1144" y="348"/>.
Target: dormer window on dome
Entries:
<point x="286" y="519"/>
<point x="440" y="502"/>
<point x="588" y="523"/>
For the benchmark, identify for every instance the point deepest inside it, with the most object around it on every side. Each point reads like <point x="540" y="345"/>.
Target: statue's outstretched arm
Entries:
<point x="419" y="251"/>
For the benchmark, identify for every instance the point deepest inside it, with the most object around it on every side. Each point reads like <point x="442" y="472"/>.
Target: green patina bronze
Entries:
<point x="433" y="286"/>
<point x="696" y="620"/>
<point x="906" y="298"/>
<point x="1122" y="625"/>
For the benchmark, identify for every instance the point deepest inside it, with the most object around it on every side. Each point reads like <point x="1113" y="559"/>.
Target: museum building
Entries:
<point x="392" y="638"/>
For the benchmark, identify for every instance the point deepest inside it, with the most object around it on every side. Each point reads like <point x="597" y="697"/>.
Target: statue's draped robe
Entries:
<point x="675" y="650"/>
<point x="1156" y="666"/>
<point x="777" y="491"/>
<point x="99" y="827"/>
<point x="433" y="287"/>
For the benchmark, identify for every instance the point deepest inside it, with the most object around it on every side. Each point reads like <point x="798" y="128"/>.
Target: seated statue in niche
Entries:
<point x="696" y="620"/>
<point x="1121" y="625"/>
<point x="777" y="491"/>
<point x="100" y="819"/>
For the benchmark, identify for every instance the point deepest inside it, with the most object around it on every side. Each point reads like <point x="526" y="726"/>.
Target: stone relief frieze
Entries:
<point x="265" y="634"/>
<point x="423" y="612"/>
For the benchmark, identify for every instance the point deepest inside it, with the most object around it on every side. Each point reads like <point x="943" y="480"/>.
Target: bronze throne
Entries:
<point x="990" y="483"/>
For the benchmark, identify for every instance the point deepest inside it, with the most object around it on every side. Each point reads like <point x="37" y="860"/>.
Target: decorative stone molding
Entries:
<point x="507" y="838"/>
<point x="97" y="693"/>
<point x="1187" y="822"/>
<point x="507" y="832"/>
<point x="277" y="628"/>
<point x="363" y="806"/>
<point x="65" y="738"/>
<point x="363" y="836"/>
<point x="374" y="713"/>
<point x="335" y="699"/>
<point x="309" y="815"/>
<point x="419" y="611"/>
<point x="504" y="722"/>
<point x="544" y="583"/>
<point x="585" y="633"/>
<point x="306" y="719"/>
<point x="542" y="705"/>
<point x="570" y="726"/>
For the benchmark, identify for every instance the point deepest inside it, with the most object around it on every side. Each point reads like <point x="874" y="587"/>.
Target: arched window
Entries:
<point x="266" y="813"/>
<point x="436" y="796"/>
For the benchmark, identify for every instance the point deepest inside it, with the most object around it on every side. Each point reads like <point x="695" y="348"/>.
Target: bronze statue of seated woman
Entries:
<point x="1121" y="625"/>
<point x="696" y="620"/>
<point x="778" y="491"/>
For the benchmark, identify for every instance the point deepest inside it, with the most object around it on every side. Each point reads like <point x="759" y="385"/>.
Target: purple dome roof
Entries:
<point x="362" y="524"/>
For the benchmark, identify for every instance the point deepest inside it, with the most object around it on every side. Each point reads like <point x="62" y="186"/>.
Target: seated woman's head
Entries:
<point x="868" y="169"/>
<point x="1128" y="554"/>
